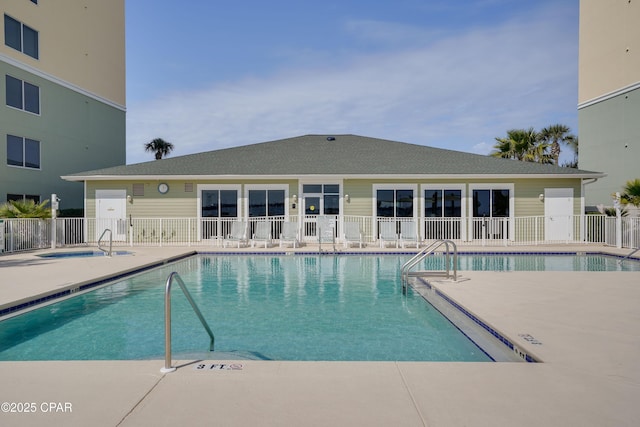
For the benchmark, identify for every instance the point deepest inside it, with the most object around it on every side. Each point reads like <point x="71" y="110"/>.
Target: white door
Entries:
<point x="111" y="213"/>
<point x="558" y="213"/>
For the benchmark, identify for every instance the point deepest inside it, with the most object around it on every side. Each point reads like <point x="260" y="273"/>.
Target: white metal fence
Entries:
<point x="29" y="234"/>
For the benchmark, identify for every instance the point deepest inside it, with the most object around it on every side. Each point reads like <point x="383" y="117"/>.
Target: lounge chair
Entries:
<point x="238" y="234"/>
<point x="408" y="234"/>
<point x="388" y="233"/>
<point x="289" y="234"/>
<point x="352" y="234"/>
<point x="261" y="233"/>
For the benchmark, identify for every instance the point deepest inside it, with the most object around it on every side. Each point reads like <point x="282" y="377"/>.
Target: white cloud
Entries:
<point x="456" y="92"/>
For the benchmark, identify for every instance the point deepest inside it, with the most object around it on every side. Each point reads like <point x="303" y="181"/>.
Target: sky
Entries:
<point x="206" y="74"/>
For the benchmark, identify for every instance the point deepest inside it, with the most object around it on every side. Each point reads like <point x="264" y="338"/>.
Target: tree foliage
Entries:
<point x="541" y="147"/>
<point x="25" y="209"/>
<point x="631" y="193"/>
<point x="160" y="147"/>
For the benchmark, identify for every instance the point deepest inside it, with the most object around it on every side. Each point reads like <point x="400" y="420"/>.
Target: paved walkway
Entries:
<point x="584" y="326"/>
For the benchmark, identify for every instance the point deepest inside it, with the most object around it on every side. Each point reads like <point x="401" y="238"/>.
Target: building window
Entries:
<point x="20" y="37"/>
<point x="218" y="209"/>
<point x="394" y="203"/>
<point x="491" y="203"/>
<point x="23" y="152"/>
<point x="491" y="210"/>
<point x="328" y="193"/>
<point x="22" y="95"/>
<point x="442" y="203"/>
<point x="266" y="203"/>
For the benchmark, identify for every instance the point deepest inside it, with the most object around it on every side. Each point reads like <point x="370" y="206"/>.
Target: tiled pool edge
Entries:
<point x="44" y="298"/>
<point x="517" y="350"/>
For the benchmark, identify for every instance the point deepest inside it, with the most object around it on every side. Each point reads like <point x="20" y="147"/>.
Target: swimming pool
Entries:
<point x="82" y="254"/>
<point x="280" y="307"/>
<point x="266" y="307"/>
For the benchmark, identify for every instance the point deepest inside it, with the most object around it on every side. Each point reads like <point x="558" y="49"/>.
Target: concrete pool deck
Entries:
<point x="584" y="326"/>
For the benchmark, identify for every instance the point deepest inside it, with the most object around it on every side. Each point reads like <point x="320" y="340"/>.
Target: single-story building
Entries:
<point x="347" y="178"/>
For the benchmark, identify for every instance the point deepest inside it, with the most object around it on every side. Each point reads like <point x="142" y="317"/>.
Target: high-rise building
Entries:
<point x="62" y="71"/>
<point x="609" y="95"/>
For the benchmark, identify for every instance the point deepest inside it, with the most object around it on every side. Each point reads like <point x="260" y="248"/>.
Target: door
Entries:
<point x="312" y="209"/>
<point x="558" y="214"/>
<point x="111" y="213"/>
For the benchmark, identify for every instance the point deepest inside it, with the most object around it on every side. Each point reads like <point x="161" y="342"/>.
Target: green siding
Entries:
<point x="610" y="141"/>
<point x="179" y="203"/>
<point x="76" y="132"/>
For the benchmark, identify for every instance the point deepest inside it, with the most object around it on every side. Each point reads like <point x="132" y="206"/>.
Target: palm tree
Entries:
<point x="25" y="209"/>
<point x="522" y="144"/>
<point x="631" y="193"/>
<point x="555" y="135"/>
<point x="160" y="147"/>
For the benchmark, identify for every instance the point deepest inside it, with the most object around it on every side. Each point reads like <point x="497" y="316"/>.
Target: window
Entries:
<point x="443" y="211"/>
<point x="491" y="211"/>
<point x="22" y="95"/>
<point x="491" y="203"/>
<point x="23" y="152"/>
<point x="442" y="203"/>
<point x="266" y="203"/>
<point x="219" y="203"/>
<point x="330" y="195"/>
<point x="218" y="209"/>
<point x="394" y="203"/>
<point x="20" y="37"/>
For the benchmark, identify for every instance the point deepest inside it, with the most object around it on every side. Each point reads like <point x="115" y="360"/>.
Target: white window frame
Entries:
<point x="23" y="96"/>
<point x="266" y="187"/>
<point x="22" y="27"/>
<point x="492" y="186"/>
<point x="24" y="161"/>
<point x="463" y="205"/>
<point x="395" y="187"/>
<point x="203" y="187"/>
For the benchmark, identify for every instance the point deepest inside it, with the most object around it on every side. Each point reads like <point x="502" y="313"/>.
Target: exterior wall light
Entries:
<point x="347" y="198"/>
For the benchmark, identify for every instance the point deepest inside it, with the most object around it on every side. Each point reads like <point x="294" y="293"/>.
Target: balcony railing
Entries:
<point x="29" y="234"/>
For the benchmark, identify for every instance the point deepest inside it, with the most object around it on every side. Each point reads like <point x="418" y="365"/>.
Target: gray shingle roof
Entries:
<point x="345" y="155"/>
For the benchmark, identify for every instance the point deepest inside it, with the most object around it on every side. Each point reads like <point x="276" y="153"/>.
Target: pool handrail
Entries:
<point x="110" y="241"/>
<point x="426" y="251"/>
<point x="629" y="255"/>
<point x="167" y="319"/>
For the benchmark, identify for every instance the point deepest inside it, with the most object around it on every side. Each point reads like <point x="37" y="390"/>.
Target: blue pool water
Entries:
<point x="82" y="254"/>
<point x="534" y="262"/>
<point x="281" y="308"/>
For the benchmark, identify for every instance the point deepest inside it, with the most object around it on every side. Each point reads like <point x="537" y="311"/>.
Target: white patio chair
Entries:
<point x="261" y="233"/>
<point x="352" y="234"/>
<point x="408" y="234"/>
<point x="289" y="234"/>
<point x="238" y="234"/>
<point x="388" y="234"/>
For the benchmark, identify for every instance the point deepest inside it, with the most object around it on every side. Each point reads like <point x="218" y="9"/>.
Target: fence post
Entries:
<point x="616" y="205"/>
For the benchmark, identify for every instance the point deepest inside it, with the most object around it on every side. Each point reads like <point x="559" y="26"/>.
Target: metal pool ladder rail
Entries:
<point x="110" y="241"/>
<point x="167" y="319"/>
<point x="629" y="255"/>
<point x="405" y="271"/>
